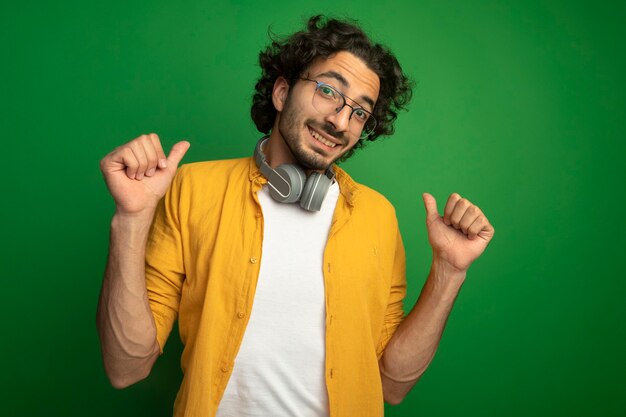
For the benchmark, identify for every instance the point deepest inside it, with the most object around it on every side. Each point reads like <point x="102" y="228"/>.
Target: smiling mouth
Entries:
<point x="321" y="139"/>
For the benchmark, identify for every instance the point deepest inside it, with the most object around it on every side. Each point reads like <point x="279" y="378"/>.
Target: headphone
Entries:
<point x="288" y="183"/>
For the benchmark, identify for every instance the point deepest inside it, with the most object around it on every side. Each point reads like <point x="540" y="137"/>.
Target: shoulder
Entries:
<point x="372" y="197"/>
<point x="373" y="205"/>
<point x="213" y="173"/>
<point x="222" y="167"/>
<point x="364" y="199"/>
<point x="197" y="179"/>
<point x="201" y="186"/>
<point x="359" y="193"/>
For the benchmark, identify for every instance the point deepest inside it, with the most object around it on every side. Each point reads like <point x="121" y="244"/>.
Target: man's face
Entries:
<point x="316" y="140"/>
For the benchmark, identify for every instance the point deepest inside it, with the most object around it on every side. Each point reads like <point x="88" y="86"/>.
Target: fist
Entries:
<point x="138" y="173"/>
<point x="461" y="234"/>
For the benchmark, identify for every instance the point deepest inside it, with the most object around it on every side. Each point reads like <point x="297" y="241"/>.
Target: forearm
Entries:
<point x="414" y="343"/>
<point x="125" y="322"/>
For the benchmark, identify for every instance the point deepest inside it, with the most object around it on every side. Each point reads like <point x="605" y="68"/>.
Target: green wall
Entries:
<point x="519" y="105"/>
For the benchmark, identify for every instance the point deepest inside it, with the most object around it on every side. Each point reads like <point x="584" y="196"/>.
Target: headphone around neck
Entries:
<point x="289" y="184"/>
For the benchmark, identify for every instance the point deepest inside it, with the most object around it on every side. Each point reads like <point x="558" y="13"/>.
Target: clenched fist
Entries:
<point x="138" y="173"/>
<point x="461" y="234"/>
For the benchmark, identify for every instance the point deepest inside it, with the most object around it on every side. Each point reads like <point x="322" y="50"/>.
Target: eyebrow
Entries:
<point x="346" y="84"/>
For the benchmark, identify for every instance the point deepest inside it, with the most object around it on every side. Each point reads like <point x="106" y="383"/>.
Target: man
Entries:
<point x="284" y="309"/>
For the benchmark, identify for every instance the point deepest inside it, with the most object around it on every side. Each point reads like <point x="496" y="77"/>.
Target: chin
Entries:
<point x="306" y="150"/>
<point x="312" y="161"/>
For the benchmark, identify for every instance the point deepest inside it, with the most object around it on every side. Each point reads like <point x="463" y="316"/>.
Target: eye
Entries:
<point x="361" y="115"/>
<point x="326" y="91"/>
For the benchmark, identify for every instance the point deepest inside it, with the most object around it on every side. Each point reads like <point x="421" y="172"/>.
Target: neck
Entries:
<point x="276" y="151"/>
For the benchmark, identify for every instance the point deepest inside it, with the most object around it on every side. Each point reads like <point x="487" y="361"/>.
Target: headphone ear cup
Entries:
<point x="296" y="178"/>
<point x="315" y="190"/>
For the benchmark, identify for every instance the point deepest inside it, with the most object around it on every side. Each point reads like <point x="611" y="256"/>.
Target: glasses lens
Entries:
<point x="328" y="100"/>
<point x="369" y="127"/>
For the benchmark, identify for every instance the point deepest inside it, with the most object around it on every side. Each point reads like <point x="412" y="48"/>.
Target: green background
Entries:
<point x="519" y="106"/>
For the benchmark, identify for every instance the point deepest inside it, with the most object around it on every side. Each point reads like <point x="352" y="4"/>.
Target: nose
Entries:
<point x="340" y="120"/>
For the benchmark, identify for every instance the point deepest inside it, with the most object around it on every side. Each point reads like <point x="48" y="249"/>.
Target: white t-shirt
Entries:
<point x="279" y="369"/>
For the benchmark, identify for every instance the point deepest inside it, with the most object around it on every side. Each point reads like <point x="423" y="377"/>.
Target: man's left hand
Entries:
<point x="461" y="235"/>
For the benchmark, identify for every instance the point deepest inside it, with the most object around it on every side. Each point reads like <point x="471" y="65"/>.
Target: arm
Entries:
<point x="137" y="175"/>
<point x="124" y="320"/>
<point x="457" y="239"/>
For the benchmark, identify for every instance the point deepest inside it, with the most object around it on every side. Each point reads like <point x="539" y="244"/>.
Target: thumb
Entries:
<point x="431" y="207"/>
<point x="176" y="154"/>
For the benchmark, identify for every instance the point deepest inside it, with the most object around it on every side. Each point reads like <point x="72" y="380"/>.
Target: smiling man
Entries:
<point x="286" y="276"/>
<point x="308" y="129"/>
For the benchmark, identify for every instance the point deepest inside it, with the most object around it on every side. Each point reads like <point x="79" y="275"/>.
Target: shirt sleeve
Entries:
<point x="394" y="315"/>
<point x="165" y="272"/>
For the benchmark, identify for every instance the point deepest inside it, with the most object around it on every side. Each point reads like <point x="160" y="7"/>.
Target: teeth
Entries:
<point x="322" y="139"/>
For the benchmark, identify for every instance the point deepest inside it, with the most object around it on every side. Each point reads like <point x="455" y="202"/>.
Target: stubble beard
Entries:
<point x="290" y="128"/>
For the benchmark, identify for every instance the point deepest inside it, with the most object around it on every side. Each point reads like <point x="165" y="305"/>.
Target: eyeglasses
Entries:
<point x="327" y="100"/>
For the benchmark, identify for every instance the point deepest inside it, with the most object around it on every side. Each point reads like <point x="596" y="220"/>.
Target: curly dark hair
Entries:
<point x="323" y="37"/>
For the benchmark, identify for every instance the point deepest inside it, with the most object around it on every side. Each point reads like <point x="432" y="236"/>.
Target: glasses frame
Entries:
<point x="364" y="134"/>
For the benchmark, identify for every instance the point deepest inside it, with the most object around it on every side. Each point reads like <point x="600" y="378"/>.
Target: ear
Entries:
<point x="279" y="93"/>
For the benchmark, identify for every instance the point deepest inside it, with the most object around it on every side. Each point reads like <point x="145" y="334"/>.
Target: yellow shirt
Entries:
<point x="202" y="265"/>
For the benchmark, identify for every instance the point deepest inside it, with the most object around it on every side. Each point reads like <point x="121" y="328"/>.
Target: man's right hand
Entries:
<point x="138" y="174"/>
